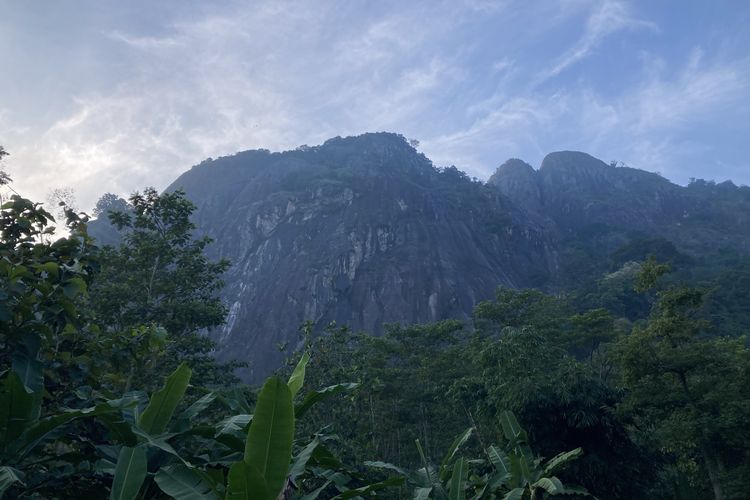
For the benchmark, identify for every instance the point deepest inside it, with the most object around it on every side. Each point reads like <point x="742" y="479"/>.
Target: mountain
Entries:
<point x="365" y="231"/>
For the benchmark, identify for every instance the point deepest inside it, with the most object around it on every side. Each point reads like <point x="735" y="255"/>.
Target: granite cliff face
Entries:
<point x="365" y="231"/>
<point x="362" y="231"/>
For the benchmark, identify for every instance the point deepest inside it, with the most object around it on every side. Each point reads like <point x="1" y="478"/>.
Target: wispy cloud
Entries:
<point x="150" y="98"/>
<point x="606" y="19"/>
<point x="700" y="89"/>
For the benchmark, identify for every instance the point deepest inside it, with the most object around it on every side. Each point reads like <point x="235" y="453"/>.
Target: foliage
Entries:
<point x="690" y="390"/>
<point x="159" y="275"/>
<point x="658" y="400"/>
<point x="512" y="471"/>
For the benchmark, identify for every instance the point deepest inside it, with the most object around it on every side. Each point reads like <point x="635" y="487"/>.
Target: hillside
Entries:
<point x="365" y="231"/>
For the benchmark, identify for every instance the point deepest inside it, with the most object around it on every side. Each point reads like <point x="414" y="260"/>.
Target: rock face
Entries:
<point x="365" y="231"/>
<point x="362" y="231"/>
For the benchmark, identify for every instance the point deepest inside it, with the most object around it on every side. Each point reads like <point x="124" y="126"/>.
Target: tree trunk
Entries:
<point x="713" y="473"/>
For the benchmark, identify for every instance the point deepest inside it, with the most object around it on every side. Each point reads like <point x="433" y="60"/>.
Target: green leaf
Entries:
<point x="17" y="408"/>
<point x="27" y="365"/>
<point x="388" y="467"/>
<point x="160" y="409"/>
<point x="198" y="407"/>
<point x="426" y="465"/>
<point x="515" y="494"/>
<point x="455" y="446"/>
<point x="246" y="483"/>
<point x="120" y="431"/>
<point x="48" y="428"/>
<point x="233" y="424"/>
<point x="371" y="488"/>
<point x="551" y="485"/>
<point x="511" y="428"/>
<point x="422" y="493"/>
<point x="269" y="440"/>
<point x="561" y="459"/>
<point x="8" y="477"/>
<point x="51" y="268"/>
<point x="313" y="495"/>
<point x="160" y="443"/>
<point x="299" y="463"/>
<point x="458" y="480"/>
<point x="130" y="473"/>
<point x="181" y="483"/>
<point x="74" y="287"/>
<point x="500" y="460"/>
<point x="313" y="397"/>
<point x="298" y="375"/>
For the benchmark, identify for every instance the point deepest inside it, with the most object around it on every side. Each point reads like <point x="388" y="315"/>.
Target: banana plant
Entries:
<point x="23" y="431"/>
<point x="517" y="473"/>
<point x="268" y="469"/>
<point x="131" y="469"/>
<point x="447" y="481"/>
<point x="514" y="472"/>
<point x="243" y="456"/>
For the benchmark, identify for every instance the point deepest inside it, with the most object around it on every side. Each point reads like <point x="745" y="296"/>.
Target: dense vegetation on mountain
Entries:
<point x="630" y="378"/>
<point x="365" y="231"/>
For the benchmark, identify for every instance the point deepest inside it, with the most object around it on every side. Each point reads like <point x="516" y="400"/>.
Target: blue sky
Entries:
<point x="111" y="96"/>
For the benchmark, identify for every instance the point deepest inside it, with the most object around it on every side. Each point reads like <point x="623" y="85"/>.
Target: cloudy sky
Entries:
<point x="112" y="96"/>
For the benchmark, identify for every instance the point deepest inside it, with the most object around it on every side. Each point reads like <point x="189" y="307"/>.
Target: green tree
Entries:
<point x="688" y="391"/>
<point x="159" y="275"/>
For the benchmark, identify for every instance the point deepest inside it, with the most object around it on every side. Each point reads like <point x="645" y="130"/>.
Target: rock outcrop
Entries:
<point x="365" y="231"/>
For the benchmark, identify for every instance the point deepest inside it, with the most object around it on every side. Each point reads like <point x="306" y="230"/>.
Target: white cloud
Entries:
<point x="278" y="74"/>
<point x="607" y="18"/>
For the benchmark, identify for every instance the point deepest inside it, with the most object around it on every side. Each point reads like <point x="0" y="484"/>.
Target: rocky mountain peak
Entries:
<point x="572" y="161"/>
<point x="565" y="170"/>
<point x="517" y="180"/>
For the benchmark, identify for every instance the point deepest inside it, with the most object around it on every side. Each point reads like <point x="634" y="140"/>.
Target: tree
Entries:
<point x="160" y="275"/>
<point x="42" y="285"/>
<point x="110" y="203"/>
<point x="689" y="389"/>
<point x="4" y="177"/>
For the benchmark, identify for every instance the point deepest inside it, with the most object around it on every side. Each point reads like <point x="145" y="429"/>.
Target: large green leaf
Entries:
<point x="130" y="473"/>
<point x="314" y="397"/>
<point x="559" y="460"/>
<point x="313" y="495"/>
<point x="455" y="446"/>
<point x="298" y="375"/>
<point x="551" y="485"/>
<point x="511" y="428"/>
<point x="160" y="409"/>
<point x="160" y="443"/>
<point x="500" y="460"/>
<point x="181" y="483"/>
<point x="299" y="464"/>
<point x="246" y="483"/>
<point x="121" y="432"/>
<point x="186" y="417"/>
<point x="422" y="493"/>
<point x="458" y="480"/>
<point x="269" y="440"/>
<point x="8" y="477"/>
<point x="370" y="488"/>
<point x="26" y="363"/>
<point x="17" y="409"/>
<point x="49" y="427"/>
<point x="515" y="494"/>
<point x="387" y="467"/>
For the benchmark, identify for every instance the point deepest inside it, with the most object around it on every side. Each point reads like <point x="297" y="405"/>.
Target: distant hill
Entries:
<point x="365" y="231"/>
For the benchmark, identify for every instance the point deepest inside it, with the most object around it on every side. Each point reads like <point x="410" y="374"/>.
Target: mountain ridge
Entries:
<point x="366" y="231"/>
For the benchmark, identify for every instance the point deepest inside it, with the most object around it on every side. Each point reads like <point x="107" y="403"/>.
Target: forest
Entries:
<point x="631" y="387"/>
